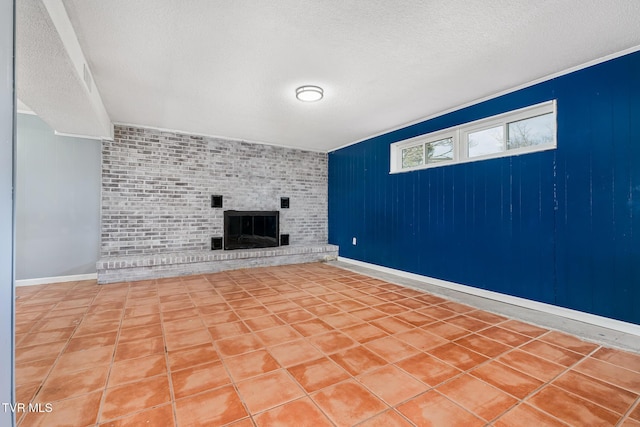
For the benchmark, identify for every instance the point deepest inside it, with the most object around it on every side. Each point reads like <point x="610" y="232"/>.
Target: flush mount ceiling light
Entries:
<point x="309" y="93"/>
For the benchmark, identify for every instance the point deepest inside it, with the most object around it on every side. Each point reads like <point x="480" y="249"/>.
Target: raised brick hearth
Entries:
<point x="139" y="267"/>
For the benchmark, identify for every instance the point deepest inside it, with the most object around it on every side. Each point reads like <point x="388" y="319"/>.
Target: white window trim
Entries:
<point x="396" y="154"/>
<point x="460" y="133"/>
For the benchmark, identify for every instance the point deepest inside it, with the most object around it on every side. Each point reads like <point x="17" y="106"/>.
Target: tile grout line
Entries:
<point x="222" y="362"/>
<point x="350" y="286"/>
<point x="174" y="408"/>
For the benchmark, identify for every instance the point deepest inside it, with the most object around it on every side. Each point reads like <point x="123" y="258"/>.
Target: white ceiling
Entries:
<point x="230" y="68"/>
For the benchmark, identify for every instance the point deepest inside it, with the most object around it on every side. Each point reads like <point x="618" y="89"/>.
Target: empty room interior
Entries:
<point x="323" y="213"/>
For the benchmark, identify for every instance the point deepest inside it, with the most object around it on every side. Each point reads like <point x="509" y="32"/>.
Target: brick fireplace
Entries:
<point x="157" y="188"/>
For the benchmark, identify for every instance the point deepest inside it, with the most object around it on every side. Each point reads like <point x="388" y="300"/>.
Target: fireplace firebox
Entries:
<point x="251" y="229"/>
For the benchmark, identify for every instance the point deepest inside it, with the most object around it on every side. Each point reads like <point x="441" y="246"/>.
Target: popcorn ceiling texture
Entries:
<point x="157" y="187"/>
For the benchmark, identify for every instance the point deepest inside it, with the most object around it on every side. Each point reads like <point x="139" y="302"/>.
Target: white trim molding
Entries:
<point x="592" y="319"/>
<point x="59" y="279"/>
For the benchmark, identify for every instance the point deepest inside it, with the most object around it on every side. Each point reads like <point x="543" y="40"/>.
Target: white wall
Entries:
<point x="57" y="202"/>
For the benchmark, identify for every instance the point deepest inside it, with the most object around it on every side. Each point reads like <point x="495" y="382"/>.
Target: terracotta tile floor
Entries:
<point x="304" y="345"/>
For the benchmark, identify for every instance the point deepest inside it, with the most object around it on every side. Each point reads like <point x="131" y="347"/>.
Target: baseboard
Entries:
<point x="59" y="279"/>
<point x="605" y="322"/>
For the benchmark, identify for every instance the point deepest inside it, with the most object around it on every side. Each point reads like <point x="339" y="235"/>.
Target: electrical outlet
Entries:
<point x="354" y="241"/>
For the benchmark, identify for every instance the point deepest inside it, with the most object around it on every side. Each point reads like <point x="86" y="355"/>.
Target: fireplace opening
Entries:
<point x="251" y="229"/>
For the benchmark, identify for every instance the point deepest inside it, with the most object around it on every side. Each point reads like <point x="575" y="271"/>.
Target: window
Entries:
<point x="521" y="131"/>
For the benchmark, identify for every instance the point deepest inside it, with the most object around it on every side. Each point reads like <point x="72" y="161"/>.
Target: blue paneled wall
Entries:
<point x="559" y="226"/>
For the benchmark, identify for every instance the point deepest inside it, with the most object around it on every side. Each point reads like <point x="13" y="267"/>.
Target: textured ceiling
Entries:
<point x="230" y="68"/>
<point x="46" y="76"/>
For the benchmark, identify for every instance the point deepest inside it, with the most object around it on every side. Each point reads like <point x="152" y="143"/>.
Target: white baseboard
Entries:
<point x="59" y="279"/>
<point x="605" y="322"/>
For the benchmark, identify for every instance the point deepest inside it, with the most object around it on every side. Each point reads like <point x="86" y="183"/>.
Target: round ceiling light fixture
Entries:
<point x="309" y="93"/>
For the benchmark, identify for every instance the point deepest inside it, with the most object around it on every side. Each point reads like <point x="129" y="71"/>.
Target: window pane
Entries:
<point x="440" y="151"/>
<point x="534" y="131"/>
<point x="487" y="141"/>
<point x="412" y="156"/>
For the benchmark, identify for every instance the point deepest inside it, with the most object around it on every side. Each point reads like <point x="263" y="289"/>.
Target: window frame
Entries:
<point x="460" y="137"/>
<point x="396" y="150"/>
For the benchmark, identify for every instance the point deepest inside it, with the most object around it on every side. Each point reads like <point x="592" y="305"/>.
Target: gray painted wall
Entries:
<point x="57" y="202"/>
<point x="157" y="187"/>
<point x="7" y="108"/>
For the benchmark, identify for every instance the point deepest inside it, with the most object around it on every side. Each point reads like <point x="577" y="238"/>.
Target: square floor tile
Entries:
<point x="63" y="385"/>
<point x="387" y="419"/>
<point x="198" y="379"/>
<point x="571" y="409"/>
<point x="414" y="318"/>
<point x="391" y="325"/>
<point x="189" y="338"/>
<point x="88" y="342"/>
<point x="312" y="327"/>
<point x="368" y="314"/>
<point x="458" y="356"/>
<point x="269" y="390"/>
<point x="295" y="352"/>
<point x="79" y="411"/>
<point x="318" y="374"/>
<point x="612" y="374"/>
<point x="552" y="353"/>
<point x="486" y="317"/>
<point x="531" y="365"/>
<point x="445" y="330"/>
<point x="133" y="397"/>
<point x="504" y="336"/>
<point x="392" y="385"/>
<point x="158" y="416"/>
<point x="604" y="394"/>
<point x="391" y="349"/>
<point x="169" y="316"/>
<point x="139" y="348"/>
<point x="523" y="328"/>
<point x="192" y="356"/>
<point x="483" y="345"/>
<point x="358" y="360"/>
<point x="332" y="342"/>
<point x="135" y="322"/>
<point x="250" y="364"/>
<point x="43" y="337"/>
<point x="295" y="316"/>
<point x="478" y="397"/>
<point x="348" y="403"/>
<point x="137" y="369"/>
<point x="180" y="325"/>
<point x="420" y="339"/>
<point x="364" y="332"/>
<point x="507" y="379"/>
<point x="263" y="322"/>
<point x="525" y="415"/>
<point x="624" y="359"/>
<point x="433" y="409"/>
<point x="212" y="408"/>
<point x="238" y="345"/>
<point x="468" y="323"/>
<point x="33" y="371"/>
<point x="278" y="335"/>
<point x="428" y="369"/>
<point x="226" y="330"/>
<point x="569" y="342"/>
<point x="300" y="413"/>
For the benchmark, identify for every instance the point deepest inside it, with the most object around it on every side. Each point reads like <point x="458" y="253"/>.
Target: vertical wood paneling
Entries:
<point x="560" y="226"/>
